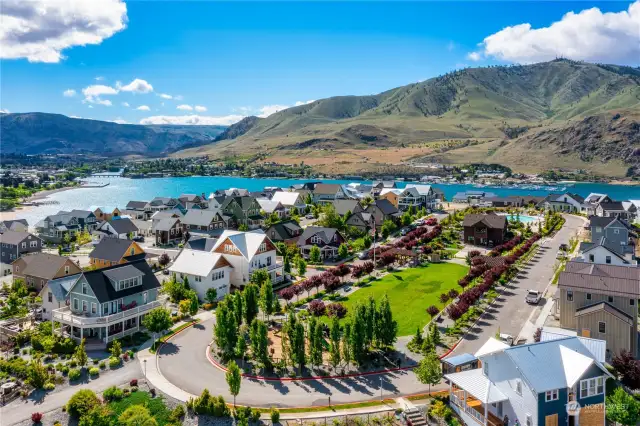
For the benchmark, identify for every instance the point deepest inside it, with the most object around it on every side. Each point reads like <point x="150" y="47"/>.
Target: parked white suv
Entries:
<point x="533" y="297"/>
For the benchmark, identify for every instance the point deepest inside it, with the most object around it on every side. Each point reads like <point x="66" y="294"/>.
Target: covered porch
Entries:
<point x="476" y="399"/>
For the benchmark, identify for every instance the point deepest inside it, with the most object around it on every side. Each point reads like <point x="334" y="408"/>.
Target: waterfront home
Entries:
<point x="592" y="201"/>
<point x="607" y="252"/>
<point x="599" y="301"/>
<point x="87" y="219"/>
<point x="290" y="200"/>
<point x="484" y="229"/>
<point x="383" y="210"/>
<point x="328" y="240"/>
<point x="427" y="196"/>
<point x="56" y="227"/>
<point x="200" y="243"/>
<point x="269" y="207"/>
<point x="391" y="195"/>
<point x="616" y="231"/>
<point x="14" y="245"/>
<point x="474" y="198"/>
<point x="327" y="192"/>
<point x="144" y="227"/>
<point x="18" y="225"/>
<point x="165" y="203"/>
<point x="566" y="202"/>
<point x="54" y="294"/>
<point x="534" y="384"/>
<point x="108" y="304"/>
<point x="204" y="270"/>
<point x="166" y="214"/>
<point x="410" y="198"/>
<point x="624" y="210"/>
<point x="248" y="252"/>
<point x="38" y="268"/>
<point x="286" y="231"/>
<point x="106" y="213"/>
<point x="118" y="227"/>
<point x="167" y="231"/>
<point x="214" y="202"/>
<point x="513" y="201"/>
<point x="207" y="221"/>
<point x="306" y="186"/>
<point x="114" y="251"/>
<point x="231" y="192"/>
<point x="137" y="210"/>
<point x="193" y="201"/>
<point x="242" y="210"/>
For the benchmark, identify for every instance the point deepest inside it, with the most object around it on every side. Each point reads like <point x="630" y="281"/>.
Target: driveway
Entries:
<point x="510" y="313"/>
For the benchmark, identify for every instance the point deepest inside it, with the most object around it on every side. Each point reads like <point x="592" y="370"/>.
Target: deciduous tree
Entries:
<point x="157" y="321"/>
<point x="251" y="297"/>
<point x="428" y="370"/>
<point x="334" y="336"/>
<point x="234" y="379"/>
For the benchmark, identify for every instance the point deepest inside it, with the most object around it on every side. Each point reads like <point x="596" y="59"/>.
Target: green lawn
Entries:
<point x="411" y="292"/>
<point x="156" y="406"/>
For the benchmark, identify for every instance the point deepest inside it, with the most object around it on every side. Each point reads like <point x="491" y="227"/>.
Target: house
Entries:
<point x="326" y="192"/>
<point x="37" y="269"/>
<point x="566" y="202"/>
<point x="270" y="207"/>
<point x="606" y="252"/>
<point x="382" y="210"/>
<point x="327" y="239"/>
<point x="137" y="210"/>
<point x="87" y="219"/>
<point x="200" y="243"/>
<point x="286" y="232"/>
<point x="597" y="347"/>
<point x="534" y="384"/>
<point x="54" y="294"/>
<point x="14" y="245"/>
<point x="600" y="301"/>
<point x="144" y="227"/>
<point x="18" y="225"/>
<point x="109" y="303"/>
<point x="290" y="200"/>
<point x="513" y="201"/>
<point x="166" y="214"/>
<point x="342" y="207"/>
<point x="114" y="251"/>
<point x="592" y="201"/>
<point x="207" y="221"/>
<point x="616" y="231"/>
<point x="391" y="195"/>
<point x="624" y="210"/>
<point x="193" y="201"/>
<point x="242" y="210"/>
<point x="164" y="203"/>
<point x="122" y="228"/>
<point x="362" y="221"/>
<point x="410" y="198"/>
<point x="57" y="227"/>
<point x="106" y="213"/>
<point x="474" y="198"/>
<point x="248" y="252"/>
<point x="306" y="186"/>
<point x="484" y="229"/>
<point x="167" y="231"/>
<point x="428" y="196"/>
<point x="204" y="270"/>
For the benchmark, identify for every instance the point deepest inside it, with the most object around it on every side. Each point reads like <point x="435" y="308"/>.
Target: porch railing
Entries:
<point x="66" y="316"/>
<point x="472" y="412"/>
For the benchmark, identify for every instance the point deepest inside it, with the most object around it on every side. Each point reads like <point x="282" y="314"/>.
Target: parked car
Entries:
<point x="507" y="338"/>
<point x="564" y="247"/>
<point x="561" y="254"/>
<point x="309" y="216"/>
<point x="404" y="231"/>
<point x="138" y="239"/>
<point x="533" y="297"/>
<point x="363" y="255"/>
<point x="419" y="222"/>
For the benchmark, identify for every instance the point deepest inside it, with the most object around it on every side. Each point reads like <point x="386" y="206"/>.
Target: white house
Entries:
<point x="247" y="252"/>
<point x="606" y="252"/>
<point x="121" y="227"/>
<point x="289" y="199"/>
<point x="204" y="270"/>
<point x="410" y="197"/>
<point x="429" y="199"/>
<point x="566" y="202"/>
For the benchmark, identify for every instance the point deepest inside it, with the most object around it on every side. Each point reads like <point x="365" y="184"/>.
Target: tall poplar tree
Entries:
<point x="251" y="297"/>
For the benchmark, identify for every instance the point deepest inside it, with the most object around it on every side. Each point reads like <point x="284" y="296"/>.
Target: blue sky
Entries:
<point x="238" y="58"/>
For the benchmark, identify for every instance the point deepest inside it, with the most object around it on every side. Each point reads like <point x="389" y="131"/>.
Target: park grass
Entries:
<point x="156" y="406"/>
<point x="411" y="292"/>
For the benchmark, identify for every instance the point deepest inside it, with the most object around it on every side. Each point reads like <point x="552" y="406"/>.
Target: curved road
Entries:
<point x="183" y="362"/>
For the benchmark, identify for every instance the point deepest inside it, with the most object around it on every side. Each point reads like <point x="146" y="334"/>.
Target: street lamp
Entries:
<point x="145" y="371"/>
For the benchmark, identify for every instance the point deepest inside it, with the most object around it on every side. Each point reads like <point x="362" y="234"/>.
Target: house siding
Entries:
<point x="221" y="285"/>
<point x="553" y="407"/>
<point x="618" y="235"/>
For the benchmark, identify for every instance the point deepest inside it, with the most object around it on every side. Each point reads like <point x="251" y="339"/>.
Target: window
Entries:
<point x="588" y="296"/>
<point x="66" y="269"/>
<point x="84" y="306"/>
<point x="569" y="295"/>
<point x="598" y="229"/>
<point x="610" y="299"/>
<point x="105" y="308"/>
<point x="198" y="279"/>
<point x="607" y="260"/>
<point x="518" y="387"/>
<point x="485" y="368"/>
<point x="592" y="258"/>
<point x="551" y="395"/>
<point x="24" y="244"/>
<point x="33" y="244"/>
<point x="75" y="304"/>
<point x="84" y="288"/>
<point x="602" y="327"/>
<point x="632" y="302"/>
<point x="591" y="387"/>
<point x="50" y="297"/>
<point x="616" y="231"/>
<point x="94" y="308"/>
<point x="528" y="421"/>
<point x="132" y="251"/>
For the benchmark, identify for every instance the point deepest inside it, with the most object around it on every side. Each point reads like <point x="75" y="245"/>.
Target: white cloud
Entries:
<point x="39" y="30"/>
<point x="69" y="93"/>
<point x="192" y="120"/>
<point x="143" y="108"/>
<point x="474" y="56"/>
<point x="120" y="121"/>
<point x="137" y="86"/>
<point x="178" y="97"/>
<point x="588" y="35"/>
<point x="99" y="90"/>
<point x="4" y="111"/>
<point x="298" y="103"/>
<point x="105" y="102"/>
<point x="125" y="104"/>
<point x="267" y="110"/>
<point x="90" y="106"/>
<point x="74" y="116"/>
<point x="165" y="96"/>
<point x="185" y="107"/>
<point x="99" y="78"/>
<point x="451" y="46"/>
<point x="200" y="108"/>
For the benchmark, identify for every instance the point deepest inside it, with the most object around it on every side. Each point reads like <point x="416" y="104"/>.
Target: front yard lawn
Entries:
<point x="411" y="292"/>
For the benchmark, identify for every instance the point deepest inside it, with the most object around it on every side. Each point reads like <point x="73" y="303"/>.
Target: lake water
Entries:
<point x="121" y="190"/>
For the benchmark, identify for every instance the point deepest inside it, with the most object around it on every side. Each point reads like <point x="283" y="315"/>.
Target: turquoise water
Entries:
<point x="523" y="218"/>
<point x="121" y="190"/>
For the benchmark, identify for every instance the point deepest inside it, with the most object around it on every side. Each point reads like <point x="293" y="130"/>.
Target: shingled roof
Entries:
<point x="490" y="220"/>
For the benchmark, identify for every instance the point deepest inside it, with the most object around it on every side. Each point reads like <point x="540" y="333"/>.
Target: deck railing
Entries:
<point x="66" y="316"/>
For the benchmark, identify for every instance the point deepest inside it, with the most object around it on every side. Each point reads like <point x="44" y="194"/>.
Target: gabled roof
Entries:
<point x="617" y="250"/>
<point x="202" y="244"/>
<point x="121" y="225"/>
<point x="490" y="346"/>
<point x="111" y="249"/>
<point x="136" y="205"/>
<point x="412" y="191"/>
<point x="164" y="214"/>
<point x="15" y="237"/>
<point x="60" y="286"/>
<point x="614" y="206"/>
<point x="201" y="217"/>
<point x="605" y="307"/>
<point x="43" y="265"/>
<point x="196" y="262"/>
<point x="460" y="359"/>
<point x="100" y="280"/>
<point x="285" y="230"/>
<point x="392" y="190"/>
<point x="594" y="197"/>
<point x="287" y="198"/>
<point x="344" y="206"/>
<point x="422" y="189"/>
<point x="597" y="347"/>
<point x="327" y="188"/>
<point x="325" y="234"/>
<point x="164" y="224"/>
<point x="385" y="207"/>
<point x="605" y="222"/>
<point x="10" y="224"/>
<point x="269" y="206"/>
<point x="478" y="385"/>
<point x="490" y="220"/>
<point x="609" y="279"/>
<point x="247" y="243"/>
<point x="81" y="214"/>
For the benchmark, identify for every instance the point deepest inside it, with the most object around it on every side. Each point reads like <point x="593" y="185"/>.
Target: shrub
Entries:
<point x="114" y="362"/>
<point x="95" y="361"/>
<point x="177" y="414"/>
<point x="36" y="417"/>
<point x="73" y="363"/>
<point x="136" y="415"/>
<point x="49" y="386"/>
<point x="444" y="297"/>
<point x="113" y="394"/>
<point x="98" y="416"/>
<point x="82" y="402"/>
<point x="94" y="371"/>
<point x="102" y="365"/>
<point x="133" y="382"/>
<point x="74" y="374"/>
<point x="336" y="310"/>
<point x="453" y="293"/>
<point x="134" y="389"/>
<point x="275" y="415"/>
<point x="433" y="310"/>
<point x="317" y="308"/>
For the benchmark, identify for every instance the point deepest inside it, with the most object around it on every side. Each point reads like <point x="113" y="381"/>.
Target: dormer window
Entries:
<point x="128" y="283"/>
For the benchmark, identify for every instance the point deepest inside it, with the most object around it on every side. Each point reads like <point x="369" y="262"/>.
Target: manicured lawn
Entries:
<point x="156" y="406"/>
<point x="411" y="292"/>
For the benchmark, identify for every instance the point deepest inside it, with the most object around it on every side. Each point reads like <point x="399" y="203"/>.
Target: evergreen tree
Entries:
<point x="314" y="255"/>
<point x="299" y="346"/>
<point x="386" y="326"/>
<point x="301" y="266"/>
<point x="237" y="304"/>
<point x="343" y="251"/>
<point x="251" y="297"/>
<point x="225" y="330"/>
<point x="260" y="341"/>
<point x="185" y="283"/>
<point x="81" y="356"/>
<point x="268" y="300"/>
<point x="428" y="346"/>
<point x="435" y="334"/>
<point x="287" y="265"/>
<point x="346" y="344"/>
<point x="418" y="340"/>
<point x="334" y="335"/>
<point x="370" y="321"/>
<point x="358" y="340"/>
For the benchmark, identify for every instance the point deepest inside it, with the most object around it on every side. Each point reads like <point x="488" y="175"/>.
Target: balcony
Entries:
<point x="473" y="408"/>
<point x="67" y="317"/>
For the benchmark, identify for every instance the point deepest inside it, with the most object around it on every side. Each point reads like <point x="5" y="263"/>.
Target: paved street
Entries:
<point x="510" y="312"/>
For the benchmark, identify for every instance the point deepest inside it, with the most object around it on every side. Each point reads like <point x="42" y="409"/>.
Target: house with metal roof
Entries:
<point x="484" y="229"/>
<point x="567" y="202"/>
<point x="207" y="221"/>
<point x="284" y="231"/>
<point x="607" y="252"/>
<point x="625" y="210"/>
<point x="534" y="384"/>
<point x="118" y="227"/>
<point x="289" y="199"/>
<point x="600" y="301"/>
<point x="108" y="303"/>
<point x="204" y="270"/>
<point x="167" y="231"/>
<point x="327" y="192"/>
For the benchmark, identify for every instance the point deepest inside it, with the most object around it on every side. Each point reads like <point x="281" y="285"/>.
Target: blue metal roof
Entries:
<point x="460" y="359"/>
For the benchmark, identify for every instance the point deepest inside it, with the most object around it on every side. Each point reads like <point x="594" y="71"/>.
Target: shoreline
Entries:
<point x="624" y="182"/>
<point x="41" y="195"/>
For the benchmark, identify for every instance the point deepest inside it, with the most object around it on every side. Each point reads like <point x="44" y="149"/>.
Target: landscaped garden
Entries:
<point x="411" y="291"/>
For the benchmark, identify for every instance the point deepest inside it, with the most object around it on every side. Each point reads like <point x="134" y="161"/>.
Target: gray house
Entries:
<point x="20" y="225"/>
<point x="616" y="231"/>
<point x="109" y="303"/>
<point x="15" y="245"/>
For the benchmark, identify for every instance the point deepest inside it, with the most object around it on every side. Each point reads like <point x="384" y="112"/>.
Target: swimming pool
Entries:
<point x="523" y="218"/>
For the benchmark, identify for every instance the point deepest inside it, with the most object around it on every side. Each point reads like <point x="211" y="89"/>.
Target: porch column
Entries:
<point x="106" y="329"/>
<point x="486" y="412"/>
<point x="81" y="332"/>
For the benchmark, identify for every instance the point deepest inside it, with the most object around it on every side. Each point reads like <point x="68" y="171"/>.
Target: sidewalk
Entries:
<point x="338" y="412"/>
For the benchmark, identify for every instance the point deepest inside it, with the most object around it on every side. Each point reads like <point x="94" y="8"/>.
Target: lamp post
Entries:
<point x="145" y="372"/>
